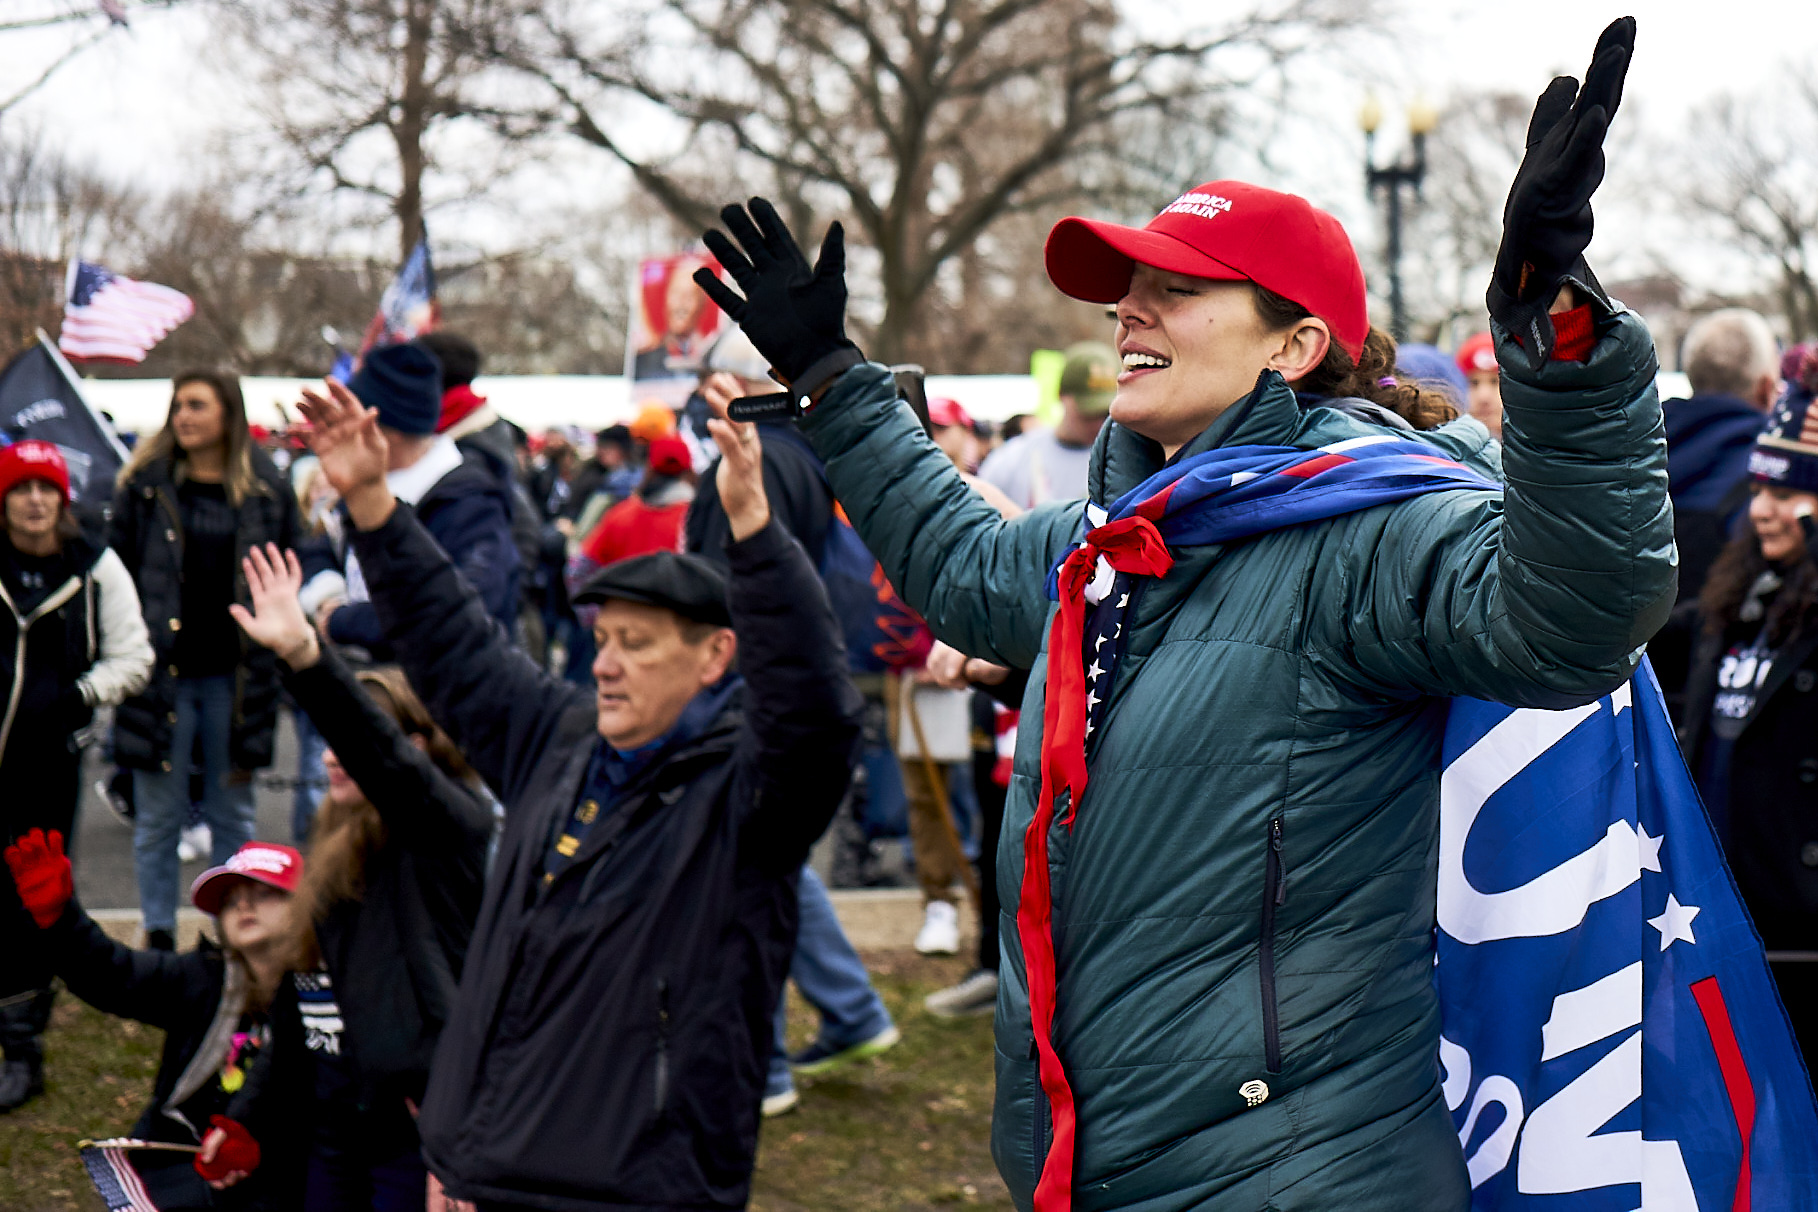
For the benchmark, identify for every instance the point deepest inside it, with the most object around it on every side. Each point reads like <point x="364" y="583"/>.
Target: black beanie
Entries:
<point x="404" y="382"/>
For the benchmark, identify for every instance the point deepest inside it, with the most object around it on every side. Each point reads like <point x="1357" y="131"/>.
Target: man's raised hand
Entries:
<point x="739" y="475"/>
<point x="344" y="435"/>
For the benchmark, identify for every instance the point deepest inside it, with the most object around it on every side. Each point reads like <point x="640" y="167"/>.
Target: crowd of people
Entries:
<point x="572" y="711"/>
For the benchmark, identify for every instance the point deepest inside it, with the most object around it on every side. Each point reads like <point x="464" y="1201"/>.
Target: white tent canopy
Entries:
<point x="590" y="401"/>
<point x="534" y="401"/>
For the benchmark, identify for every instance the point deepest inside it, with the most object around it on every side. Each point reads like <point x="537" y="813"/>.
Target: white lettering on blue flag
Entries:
<point x="1594" y="957"/>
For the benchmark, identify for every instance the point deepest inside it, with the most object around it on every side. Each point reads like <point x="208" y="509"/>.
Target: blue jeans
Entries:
<point x="830" y="975"/>
<point x="312" y="777"/>
<point x="204" y="711"/>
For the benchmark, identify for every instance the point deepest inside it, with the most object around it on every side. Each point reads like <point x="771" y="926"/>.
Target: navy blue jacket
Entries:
<point x="1708" y="444"/>
<point x="468" y="513"/>
<point x="608" y="1046"/>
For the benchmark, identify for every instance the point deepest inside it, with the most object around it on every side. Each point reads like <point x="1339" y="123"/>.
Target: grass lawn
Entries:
<point x="908" y="1130"/>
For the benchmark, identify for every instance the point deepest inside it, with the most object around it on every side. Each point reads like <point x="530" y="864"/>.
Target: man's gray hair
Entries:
<point x="1728" y="351"/>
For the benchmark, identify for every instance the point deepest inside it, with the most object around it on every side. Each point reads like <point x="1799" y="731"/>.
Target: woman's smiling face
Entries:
<point x="1191" y="348"/>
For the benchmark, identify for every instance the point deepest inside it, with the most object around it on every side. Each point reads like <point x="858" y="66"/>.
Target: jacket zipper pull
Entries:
<point x="1281" y="868"/>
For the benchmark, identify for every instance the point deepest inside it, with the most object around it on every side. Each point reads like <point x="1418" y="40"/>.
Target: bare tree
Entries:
<point x="51" y="210"/>
<point x="923" y="123"/>
<point x="99" y="20"/>
<point x="1455" y="227"/>
<point x="395" y="76"/>
<point x="1750" y="174"/>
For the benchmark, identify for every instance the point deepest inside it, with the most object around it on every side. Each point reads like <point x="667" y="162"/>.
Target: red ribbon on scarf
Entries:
<point x="1131" y="545"/>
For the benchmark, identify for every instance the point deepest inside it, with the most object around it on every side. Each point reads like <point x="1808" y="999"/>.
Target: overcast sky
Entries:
<point x="144" y="103"/>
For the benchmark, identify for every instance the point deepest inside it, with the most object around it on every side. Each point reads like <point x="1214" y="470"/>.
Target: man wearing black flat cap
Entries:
<point x="609" y="1043"/>
<point x="457" y="497"/>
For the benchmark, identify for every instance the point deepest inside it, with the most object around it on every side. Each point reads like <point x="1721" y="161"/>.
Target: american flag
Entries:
<point x="408" y="307"/>
<point x="115" y="1179"/>
<point x="108" y="318"/>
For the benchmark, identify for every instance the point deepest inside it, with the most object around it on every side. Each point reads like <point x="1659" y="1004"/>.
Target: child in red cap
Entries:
<point x="211" y="1003"/>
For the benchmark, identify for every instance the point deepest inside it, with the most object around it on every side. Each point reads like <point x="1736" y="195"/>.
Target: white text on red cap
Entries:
<point x="1206" y="206"/>
<point x="272" y="862"/>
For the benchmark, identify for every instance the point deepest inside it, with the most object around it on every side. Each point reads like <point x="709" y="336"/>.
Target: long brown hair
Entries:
<point x="1734" y="573"/>
<point x="344" y="837"/>
<point x="238" y="479"/>
<point x="1371" y="377"/>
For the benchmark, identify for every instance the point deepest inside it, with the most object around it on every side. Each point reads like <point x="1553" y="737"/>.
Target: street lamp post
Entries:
<point x="1409" y="171"/>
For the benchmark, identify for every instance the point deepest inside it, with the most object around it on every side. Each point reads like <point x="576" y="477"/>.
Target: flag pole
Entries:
<point x="75" y="384"/>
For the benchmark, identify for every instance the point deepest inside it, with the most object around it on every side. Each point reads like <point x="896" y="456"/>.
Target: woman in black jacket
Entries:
<point x="215" y="1007"/>
<point x="71" y="640"/>
<point x="397" y="863"/>
<point x="1752" y="703"/>
<point x="196" y="497"/>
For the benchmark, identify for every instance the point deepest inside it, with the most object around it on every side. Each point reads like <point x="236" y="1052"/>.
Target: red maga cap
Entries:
<point x="944" y="411"/>
<point x="1227" y="231"/>
<point x="263" y="862"/>
<point x="33" y="460"/>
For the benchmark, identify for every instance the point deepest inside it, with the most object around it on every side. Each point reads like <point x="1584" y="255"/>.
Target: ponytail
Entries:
<point x="1371" y="377"/>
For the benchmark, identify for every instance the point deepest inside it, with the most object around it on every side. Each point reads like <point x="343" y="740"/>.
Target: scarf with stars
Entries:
<point x="1218" y="496"/>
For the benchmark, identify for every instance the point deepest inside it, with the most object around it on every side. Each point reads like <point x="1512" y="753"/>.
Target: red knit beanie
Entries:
<point x="33" y="460"/>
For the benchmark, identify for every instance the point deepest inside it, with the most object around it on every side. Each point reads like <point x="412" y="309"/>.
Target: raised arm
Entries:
<point x="802" y="714"/>
<point x="152" y="987"/>
<point x="492" y="699"/>
<point x="1542" y="597"/>
<point x="1546" y="597"/>
<point x="422" y="807"/>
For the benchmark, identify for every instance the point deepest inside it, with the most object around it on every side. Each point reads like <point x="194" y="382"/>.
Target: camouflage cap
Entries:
<point x="1090" y="376"/>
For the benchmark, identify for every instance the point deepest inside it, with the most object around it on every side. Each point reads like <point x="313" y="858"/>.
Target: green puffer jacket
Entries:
<point x="1297" y="680"/>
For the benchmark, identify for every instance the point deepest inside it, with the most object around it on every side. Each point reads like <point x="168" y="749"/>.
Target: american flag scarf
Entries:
<point x="1218" y="496"/>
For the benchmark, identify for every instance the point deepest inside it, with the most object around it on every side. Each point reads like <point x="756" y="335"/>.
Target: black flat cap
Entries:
<point x="692" y="587"/>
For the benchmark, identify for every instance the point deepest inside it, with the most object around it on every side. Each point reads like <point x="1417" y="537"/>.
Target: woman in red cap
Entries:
<point x="1221" y="834"/>
<point x="212" y="1003"/>
<point x="71" y="640"/>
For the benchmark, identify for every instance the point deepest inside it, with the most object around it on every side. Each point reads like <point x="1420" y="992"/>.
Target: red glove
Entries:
<point x="42" y="873"/>
<point x="237" y="1153"/>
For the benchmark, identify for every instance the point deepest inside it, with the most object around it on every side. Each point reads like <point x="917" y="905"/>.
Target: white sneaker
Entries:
<point x="940" y="930"/>
<point x="780" y="1104"/>
<point x="977" y="994"/>
<point x="193" y="843"/>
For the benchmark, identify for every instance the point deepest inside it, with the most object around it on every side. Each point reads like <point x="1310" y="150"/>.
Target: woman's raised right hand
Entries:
<point x="276" y="620"/>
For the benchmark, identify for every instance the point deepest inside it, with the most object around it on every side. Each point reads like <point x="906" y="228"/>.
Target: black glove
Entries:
<point x="796" y="316"/>
<point x="1546" y="223"/>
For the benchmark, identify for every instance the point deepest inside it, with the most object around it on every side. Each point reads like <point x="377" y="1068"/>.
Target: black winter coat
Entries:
<point x="180" y="994"/>
<point x="148" y="535"/>
<point x="395" y="954"/>
<point x="609" y="1045"/>
<point x="1771" y="839"/>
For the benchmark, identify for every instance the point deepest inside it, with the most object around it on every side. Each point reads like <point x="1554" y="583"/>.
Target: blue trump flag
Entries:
<point x="1612" y="1038"/>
